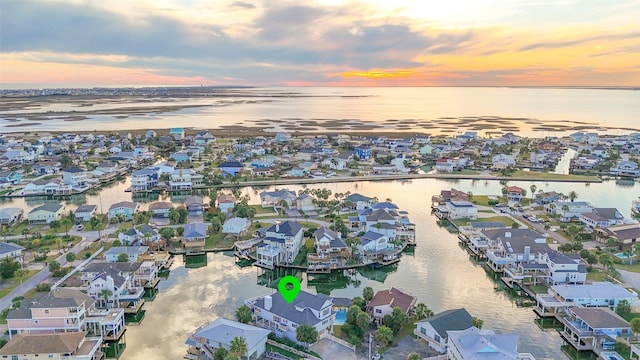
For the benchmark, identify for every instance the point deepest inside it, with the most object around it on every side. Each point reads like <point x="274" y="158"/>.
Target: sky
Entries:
<point x="85" y="43"/>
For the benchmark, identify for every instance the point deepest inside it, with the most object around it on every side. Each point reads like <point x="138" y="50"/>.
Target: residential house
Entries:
<point x="601" y="217"/>
<point x="563" y="268"/>
<point x="434" y="329"/>
<point x="384" y="301"/>
<point x="133" y="252"/>
<point x="563" y="296"/>
<point x="45" y="213"/>
<point x="625" y="167"/>
<point x="274" y="313"/>
<point x="328" y="242"/>
<point x="114" y="286"/>
<point x="17" y="156"/>
<point x="547" y="197"/>
<point x="226" y="203"/>
<point x="237" y="226"/>
<point x="180" y="156"/>
<point x="85" y="212"/>
<point x="177" y="133"/>
<point x="47" y="187"/>
<point x="475" y="344"/>
<point x="181" y="179"/>
<point x="449" y="195"/>
<point x="144" y="179"/>
<point x="150" y="134"/>
<point x="10" y="177"/>
<point x="305" y="202"/>
<point x="230" y="168"/>
<point x="75" y="177"/>
<point x="194" y="235"/>
<point x="363" y="152"/>
<point x="510" y="247"/>
<point x="144" y="234"/>
<point x="446" y="165"/>
<point x="123" y="209"/>
<point x="108" y="167"/>
<point x="281" y="244"/>
<point x="275" y="198"/>
<point x="221" y="332"/>
<point x="358" y="201"/>
<point x="194" y="205"/>
<point x="502" y="161"/>
<point x="457" y="210"/>
<point x="594" y="328"/>
<point x="371" y="242"/>
<point x="56" y="346"/>
<point x="624" y="235"/>
<point x="10" y="215"/>
<point x="568" y="210"/>
<point x="600" y="151"/>
<point x="11" y="251"/>
<point x="514" y="194"/>
<point x="160" y="209"/>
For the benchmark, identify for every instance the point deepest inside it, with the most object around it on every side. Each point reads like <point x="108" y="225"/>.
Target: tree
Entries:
<point x="20" y="274"/>
<point x="8" y="268"/>
<point x="533" y="189"/>
<point x="105" y="294"/>
<point x="477" y="322"/>
<point x="414" y="356"/>
<point x="397" y="320"/>
<point x="243" y="314"/>
<point x="359" y="302"/>
<point x="306" y="334"/>
<point x="220" y="353"/>
<point x="65" y="160"/>
<point x="623" y="309"/>
<point x="238" y="346"/>
<point x="363" y="321"/>
<point x="123" y="257"/>
<point x="572" y="195"/>
<point x="422" y="311"/>
<point x="384" y="335"/>
<point x="117" y="243"/>
<point x="635" y="325"/>
<point x="71" y="256"/>
<point x="352" y="314"/>
<point x="167" y="233"/>
<point x="367" y="293"/>
<point x="54" y="267"/>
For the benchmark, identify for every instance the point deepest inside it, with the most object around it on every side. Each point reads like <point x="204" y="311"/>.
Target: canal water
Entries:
<point x="439" y="273"/>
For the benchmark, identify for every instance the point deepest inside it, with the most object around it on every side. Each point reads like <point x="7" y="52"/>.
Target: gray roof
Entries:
<point x="484" y="344"/>
<point x="486" y="224"/>
<point x="195" y="230"/>
<point x="379" y="215"/>
<point x="193" y="200"/>
<point x="160" y="205"/>
<point x="357" y="197"/>
<point x="85" y="208"/>
<point x="288" y="228"/>
<point x="129" y="250"/>
<point x="595" y="290"/>
<point x="123" y="204"/>
<point x="7" y="247"/>
<point x="384" y="205"/>
<point x="601" y="318"/>
<point x="58" y="298"/>
<point x="223" y="331"/>
<point x="304" y="301"/>
<point x="511" y="234"/>
<point x="121" y="267"/>
<point x="370" y="236"/>
<point x="50" y="207"/>
<point x="559" y="258"/>
<point x="9" y="212"/>
<point x="456" y="319"/>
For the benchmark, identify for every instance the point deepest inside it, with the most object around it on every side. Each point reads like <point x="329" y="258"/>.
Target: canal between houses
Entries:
<point x="439" y="273"/>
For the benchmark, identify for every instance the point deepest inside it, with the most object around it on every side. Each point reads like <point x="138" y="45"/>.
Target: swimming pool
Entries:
<point x="341" y="317"/>
<point x="621" y="255"/>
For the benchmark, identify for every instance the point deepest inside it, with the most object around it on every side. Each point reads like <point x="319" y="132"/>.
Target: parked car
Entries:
<point x="79" y="227"/>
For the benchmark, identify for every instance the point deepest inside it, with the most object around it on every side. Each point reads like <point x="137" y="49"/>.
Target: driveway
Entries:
<point x="332" y="350"/>
<point x="407" y="346"/>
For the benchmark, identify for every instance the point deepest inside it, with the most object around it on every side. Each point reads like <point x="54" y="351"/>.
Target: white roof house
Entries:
<point x="472" y="344"/>
<point x="221" y="332"/>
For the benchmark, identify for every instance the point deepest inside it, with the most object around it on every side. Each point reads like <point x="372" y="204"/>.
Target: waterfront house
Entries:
<point x="11" y="251"/>
<point x="180" y="156"/>
<point x="143" y="233"/>
<point x="160" y="209"/>
<point x="57" y="346"/>
<point x="449" y="195"/>
<point x="363" y="152"/>
<point x="514" y="194"/>
<point x="305" y="202"/>
<point x="75" y="177"/>
<point x="17" y="156"/>
<point x="625" y="235"/>
<point x="113" y="285"/>
<point x="446" y="165"/>
<point x="47" y="187"/>
<point x="230" y="168"/>
<point x="45" y="213"/>
<point x="281" y="243"/>
<point x="181" y="179"/>
<point x="194" y="235"/>
<point x="226" y="203"/>
<point x="10" y="215"/>
<point x="274" y="198"/>
<point x="10" y="177"/>
<point x="476" y="344"/>
<point x="563" y="268"/>
<point x="358" y="201"/>
<point x="384" y="301"/>
<point x="85" y="212"/>
<point x="274" y="313"/>
<point x="508" y="247"/>
<point x="133" y="252"/>
<point x="329" y="243"/>
<point x="144" y="179"/>
<point x="563" y="296"/>
<point x="568" y="210"/>
<point x="594" y="328"/>
<point x="373" y="242"/>
<point x="434" y="329"/>
<point x="625" y="168"/>
<point x="221" y="332"/>
<point x="457" y="210"/>
<point x="177" y="133"/>
<point x="122" y="210"/>
<point x="108" y="167"/>
<point x="601" y="217"/>
<point x="194" y="205"/>
<point x="237" y="226"/>
<point x="543" y="198"/>
<point x="502" y="161"/>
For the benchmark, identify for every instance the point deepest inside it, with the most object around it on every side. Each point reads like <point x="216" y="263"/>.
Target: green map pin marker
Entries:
<point x="289" y="287"/>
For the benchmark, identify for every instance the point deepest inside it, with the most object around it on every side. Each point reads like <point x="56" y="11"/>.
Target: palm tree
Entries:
<point x="105" y="293"/>
<point x="422" y="311"/>
<point x="533" y="189"/>
<point x="572" y="196"/>
<point x="238" y="346"/>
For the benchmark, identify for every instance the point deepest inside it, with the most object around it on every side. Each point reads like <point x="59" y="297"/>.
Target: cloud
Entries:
<point x="578" y="41"/>
<point x="242" y="5"/>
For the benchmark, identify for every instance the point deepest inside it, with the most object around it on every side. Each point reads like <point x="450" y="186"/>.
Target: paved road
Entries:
<point x="302" y="219"/>
<point x="87" y="238"/>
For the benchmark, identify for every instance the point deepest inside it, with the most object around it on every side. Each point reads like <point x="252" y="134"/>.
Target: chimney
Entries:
<point x="277" y="226"/>
<point x="268" y="302"/>
<point x="507" y="234"/>
<point x="527" y="252"/>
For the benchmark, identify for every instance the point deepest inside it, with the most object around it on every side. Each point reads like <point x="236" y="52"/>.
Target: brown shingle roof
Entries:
<point x="601" y="318"/>
<point x="393" y="297"/>
<point x="58" y="343"/>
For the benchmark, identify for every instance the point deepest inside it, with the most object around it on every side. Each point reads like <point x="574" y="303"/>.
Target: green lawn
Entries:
<point x="271" y="348"/>
<point x="14" y="283"/>
<point x="480" y="200"/>
<point x="503" y="219"/>
<point x="539" y="289"/>
<point x="547" y="176"/>
<point x="218" y="241"/>
<point x="406" y="331"/>
<point x="635" y="267"/>
<point x="261" y="210"/>
<point x="596" y="275"/>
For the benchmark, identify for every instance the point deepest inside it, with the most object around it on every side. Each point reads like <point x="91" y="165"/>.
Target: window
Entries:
<point x="436" y="338"/>
<point x="46" y="311"/>
<point x="423" y="331"/>
<point x="378" y="311"/>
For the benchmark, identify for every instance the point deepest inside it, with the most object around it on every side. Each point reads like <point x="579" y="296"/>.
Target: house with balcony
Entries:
<point x="194" y="205"/>
<point x="177" y="133"/>
<point x="181" y="179"/>
<point x="144" y="179"/>
<point x="85" y="212"/>
<point x="76" y="178"/>
<point x="359" y="201"/>
<point x="160" y="209"/>
<point x="230" y="168"/>
<point x="601" y="217"/>
<point x="563" y="268"/>
<point x="434" y="330"/>
<point x="226" y="203"/>
<point x="122" y="210"/>
<point x="10" y="215"/>
<point x="47" y="187"/>
<point x="45" y="214"/>
<point x="509" y="247"/>
<point x="331" y="250"/>
<point x="133" y="253"/>
<point x="56" y="346"/>
<point x="363" y="152"/>
<point x="274" y="199"/>
<point x="18" y="156"/>
<point x="514" y="194"/>
<point x="474" y="344"/>
<point x="457" y="210"/>
<point x="281" y="244"/>
<point x="11" y="251"/>
<point x="596" y="294"/>
<point x="568" y="210"/>
<point x="274" y="313"/>
<point x="594" y="329"/>
<point x="384" y="301"/>
<point x="625" y="235"/>
<point x="113" y="286"/>
<point x="625" y="168"/>
<point x="221" y="332"/>
<point x="195" y="235"/>
<point x="502" y="161"/>
<point x="236" y="226"/>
